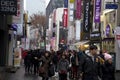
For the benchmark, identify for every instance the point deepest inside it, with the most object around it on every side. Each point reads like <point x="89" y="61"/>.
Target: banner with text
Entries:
<point x="8" y="7"/>
<point x="65" y="18"/>
<point x="97" y="10"/>
<point x="86" y="20"/>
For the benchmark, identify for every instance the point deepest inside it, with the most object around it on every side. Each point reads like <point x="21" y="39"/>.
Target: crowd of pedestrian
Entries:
<point x="70" y="63"/>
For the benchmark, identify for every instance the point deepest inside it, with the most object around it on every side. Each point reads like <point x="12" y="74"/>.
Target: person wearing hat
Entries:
<point x="107" y="68"/>
<point x="89" y="65"/>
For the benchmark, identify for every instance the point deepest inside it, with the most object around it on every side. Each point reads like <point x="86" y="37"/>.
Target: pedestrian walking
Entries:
<point x="27" y="62"/>
<point x="89" y="65"/>
<point x="36" y="62"/>
<point x="74" y="61"/>
<point x="44" y="68"/>
<point x="108" y="70"/>
<point x="63" y="66"/>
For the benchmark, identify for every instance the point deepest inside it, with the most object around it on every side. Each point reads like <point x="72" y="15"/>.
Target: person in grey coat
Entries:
<point x="63" y="66"/>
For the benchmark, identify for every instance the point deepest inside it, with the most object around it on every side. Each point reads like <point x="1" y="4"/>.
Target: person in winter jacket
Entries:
<point x="27" y="62"/>
<point x="63" y="66"/>
<point x="45" y="63"/>
<point x="108" y="68"/>
<point x="89" y="65"/>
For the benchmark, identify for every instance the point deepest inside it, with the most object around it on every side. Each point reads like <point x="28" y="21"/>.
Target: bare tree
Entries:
<point x="38" y="20"/>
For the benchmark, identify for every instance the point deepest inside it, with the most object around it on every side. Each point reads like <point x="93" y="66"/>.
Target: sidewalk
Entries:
<point x="117" y="75"/>
<point x="20" y="75"/>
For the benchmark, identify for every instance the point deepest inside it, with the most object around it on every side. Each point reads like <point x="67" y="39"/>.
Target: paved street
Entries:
<point x="20" y="75"/>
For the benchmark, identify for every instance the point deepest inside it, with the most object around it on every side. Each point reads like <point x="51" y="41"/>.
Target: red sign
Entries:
<point x="118" y="37"/>
<point x="78" y="9"/>
<point x="65" y="18"/>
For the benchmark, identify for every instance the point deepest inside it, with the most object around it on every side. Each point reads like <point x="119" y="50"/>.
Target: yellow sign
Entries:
<point x="72" y="1"/>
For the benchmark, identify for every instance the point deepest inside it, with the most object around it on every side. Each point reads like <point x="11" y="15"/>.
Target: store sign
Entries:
<point x="97" y="11"/>
<point x="65" y="18"/>
<point x="66" y="3"/>
<point x="8" y="7"/>
<point x="78" y="29"/>
<point x="95" y="36"/>
<point x="111" y="6"/>
<point x="78" y="9"/>
<point x="86" y="21"/>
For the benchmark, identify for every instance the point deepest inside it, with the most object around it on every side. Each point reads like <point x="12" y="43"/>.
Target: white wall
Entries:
<point x="59" y="14"/>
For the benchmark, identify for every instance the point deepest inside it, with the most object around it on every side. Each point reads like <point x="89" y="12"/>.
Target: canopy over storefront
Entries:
<point x="81" y="43"/>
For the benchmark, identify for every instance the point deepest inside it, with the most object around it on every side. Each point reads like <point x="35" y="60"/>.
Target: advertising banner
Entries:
<point x="65" y="18"/>
<point x="78" y="9"/>
<point x="66" y="3"/>
<point x="8" y="7"/>
<point x="18" y="19"/>
<point x="86" y="20"/>
<point x="97" y="10"/>
<point x="17" y="57"/>
<point x="78" y="29"/>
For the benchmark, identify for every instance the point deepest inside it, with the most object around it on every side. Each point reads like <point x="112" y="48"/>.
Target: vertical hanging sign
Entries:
<point x="78" y="9"/>
<point x="66" y="3"/>
<point x="65" y="18"/>
<point x="86" y="20"/>
<point x="97" y="10"/>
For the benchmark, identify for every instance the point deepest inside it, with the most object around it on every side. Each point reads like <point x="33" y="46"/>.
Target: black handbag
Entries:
<point x="51" y="70"/>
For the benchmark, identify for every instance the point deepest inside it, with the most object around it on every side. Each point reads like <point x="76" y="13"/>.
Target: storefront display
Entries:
<point x="108" y="45"/>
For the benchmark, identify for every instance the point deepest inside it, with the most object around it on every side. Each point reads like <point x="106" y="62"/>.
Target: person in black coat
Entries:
<point x="108" y="70"/>
<point x="27" y="62"/>
<point x="89" y="65"/>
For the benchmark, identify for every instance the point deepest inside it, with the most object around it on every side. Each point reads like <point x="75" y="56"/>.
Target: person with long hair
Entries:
<point x="63" y="66"/>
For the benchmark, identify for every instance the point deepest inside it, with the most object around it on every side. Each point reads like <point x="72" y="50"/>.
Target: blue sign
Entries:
<point x="66" y="3"/>
<point x="111" y="6"/>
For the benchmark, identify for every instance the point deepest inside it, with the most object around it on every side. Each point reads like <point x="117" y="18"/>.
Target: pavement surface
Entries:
<point x="20" y="75"/>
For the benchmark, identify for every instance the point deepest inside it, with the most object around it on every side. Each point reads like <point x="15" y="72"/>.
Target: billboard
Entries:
<point x="78" y="9"/>
<point x="86" y="20"/>
<point x="8" y="7"/>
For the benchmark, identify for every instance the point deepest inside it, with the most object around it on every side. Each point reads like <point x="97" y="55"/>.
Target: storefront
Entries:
<point x="108" y="24"/>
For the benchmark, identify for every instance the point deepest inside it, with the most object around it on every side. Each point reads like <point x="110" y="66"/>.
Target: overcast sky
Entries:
<point x="34" y="6"/>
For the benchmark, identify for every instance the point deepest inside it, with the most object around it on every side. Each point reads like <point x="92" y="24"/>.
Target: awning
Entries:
<point x="81" y="42"/>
